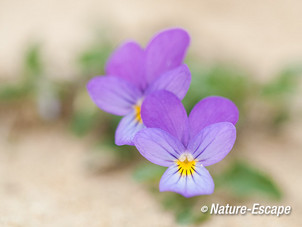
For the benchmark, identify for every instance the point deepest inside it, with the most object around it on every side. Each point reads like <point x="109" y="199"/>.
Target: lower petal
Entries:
<point x="127" y="129"/>
<point x="199" y="182"/>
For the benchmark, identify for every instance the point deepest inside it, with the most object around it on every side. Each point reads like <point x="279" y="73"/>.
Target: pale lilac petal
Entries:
<point x="176" y="81"/>
<point x="127" y="129"/>
<point x="212" y="110"/>
<point x="113" y="94"/>
<point x="213" y="143"/>
<point x="127" y="62"/>
<point x="158" y="146"/>
<point x="199" y="183"/>
<point x="165" y="52"/>
<point x="162" y="109"/>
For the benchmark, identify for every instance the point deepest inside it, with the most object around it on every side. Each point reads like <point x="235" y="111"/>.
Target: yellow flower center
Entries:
<point x="186" y="164"/>
<point x="138" y="117"/>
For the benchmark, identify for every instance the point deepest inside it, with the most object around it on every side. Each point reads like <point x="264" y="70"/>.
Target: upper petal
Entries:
<point x="199" y="183"/>
<point x="213" y="143"/>
<point x="176" y="81"/>
<point x="158" y="146"/>
<point x="212" y="110"/>
<point x="165" y="52"/>
<point x="127" y="129"/>
<point x="162" y="109"/>
<point x="127" y="62"/>
<point x="113" y="94"/>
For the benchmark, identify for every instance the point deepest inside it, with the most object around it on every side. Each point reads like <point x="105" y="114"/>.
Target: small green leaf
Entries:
<point x="13" y="92"/>
<point x="185" y="217"/>
<point x="124" y="153"/>
<point x="148" y="172"/>
<point x="243" y="180"/>
<point x="285" y="83"/>
<point x="92" y="60"/>
<point x="218" y="80"/>
<point x="33" y="65"/>
<point x="186" y="210"/>
<point x="82" y="122"/>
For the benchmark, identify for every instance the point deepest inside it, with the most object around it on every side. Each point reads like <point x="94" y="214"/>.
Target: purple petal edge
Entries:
<point x="158" y="146"/>
<point x="212" y="110"/>
<point x="127" y="62"/>
<point x="162" y="109"/>
<point x="165" y="51"/>
<point x="200" y="183"/>
<point x="112" y="94"/>
<point x="127" y="129"/>
<point x="213" y="143"/>
<point x="176" y="81"/>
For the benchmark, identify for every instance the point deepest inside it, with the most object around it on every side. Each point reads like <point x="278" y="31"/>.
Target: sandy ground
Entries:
<point x="44" y="182"/>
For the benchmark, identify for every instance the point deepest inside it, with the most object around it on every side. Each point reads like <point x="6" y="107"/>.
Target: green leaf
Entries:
<point x="33" y="66"/>
<point x="92" y="60"/>
<point x="148" y="172"/>
<point x="218" y="80"/>
<point x="285" y="83"/>
<point x="243" y="181"/>
<point x="13" y="92"/>
<point x="185" y="217"/>
<point x="32" y="69"/>
<point x="124" y="153"/>
<point x="186" y="210"/>
<point x="82" y="122"/>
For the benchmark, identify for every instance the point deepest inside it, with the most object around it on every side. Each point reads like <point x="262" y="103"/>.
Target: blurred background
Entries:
<point x="58" y="162"/>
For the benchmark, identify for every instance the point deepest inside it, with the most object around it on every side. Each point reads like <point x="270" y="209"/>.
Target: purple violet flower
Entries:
<point x="133" y="73"/>
<point x="186" y="144"/>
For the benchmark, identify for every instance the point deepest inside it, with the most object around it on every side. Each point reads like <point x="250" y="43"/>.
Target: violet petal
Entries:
<point x="127" y="129"/>
<point x="158" y="146"/>
<point x="165" y="52"/>
<point x="162" y="109"/>
<point x="176" y="81"/>
<point x="199" y="183"/>
<point x="213" y="143"/>
<point x="212" y="110"/>
<point x="127" y="62"/>
<point x="113" y="94"/>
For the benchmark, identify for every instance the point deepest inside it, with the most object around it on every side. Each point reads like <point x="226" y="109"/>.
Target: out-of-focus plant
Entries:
<point x="34" y="85"/>
<point x="279" y="91"/>
<point x="238" y="85"/>
<point x="242" y="180"/>
<point x="85" y="115"/>
<point x="220" y="80"/>
<point x="33" y="68"/>
<point x="284" y="84"/>
<point x="91" y="61"/>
